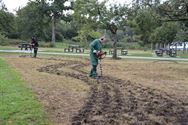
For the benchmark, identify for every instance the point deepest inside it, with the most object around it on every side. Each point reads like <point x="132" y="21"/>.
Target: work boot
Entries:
<point x="94" y="74"/>
<point x="90" y="74"/>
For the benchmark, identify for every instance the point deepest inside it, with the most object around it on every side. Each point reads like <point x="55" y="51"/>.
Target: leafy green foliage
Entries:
<point x="164" y="34"/>
<point x="31" y="21"/>
<point x="146" y="24"/>
<point x="87" y="17"/>
<point x="2" y="39"/>
<point x="182" y="34"/>
<point x="94" y="15"/>
<point x="7" y="23"/>
<point x="174" y="10"/>
<point x="68" y="30"/>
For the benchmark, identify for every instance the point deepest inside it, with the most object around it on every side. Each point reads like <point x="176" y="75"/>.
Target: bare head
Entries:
<point x="103" y="39"/>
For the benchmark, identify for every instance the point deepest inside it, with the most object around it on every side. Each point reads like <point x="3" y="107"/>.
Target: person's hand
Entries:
<point x="98" y="52"/>
<point x="94" y="51"/>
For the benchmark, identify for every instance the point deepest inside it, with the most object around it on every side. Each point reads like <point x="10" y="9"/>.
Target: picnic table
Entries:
<point x="169" y="52"/>
<point x="122" y="50"/>
<point x="25" y="46"/>
<point x="159" y="53"/>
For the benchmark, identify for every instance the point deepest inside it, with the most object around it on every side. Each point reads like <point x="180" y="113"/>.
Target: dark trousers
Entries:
<point x="35" y="52"/>
<point x="93" y="71"/>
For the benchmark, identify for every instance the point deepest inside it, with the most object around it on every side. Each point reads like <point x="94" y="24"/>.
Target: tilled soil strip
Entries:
<point x="117" y="102"/>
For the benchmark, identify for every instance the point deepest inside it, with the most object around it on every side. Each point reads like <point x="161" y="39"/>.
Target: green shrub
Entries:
<point x="3" y="40"/>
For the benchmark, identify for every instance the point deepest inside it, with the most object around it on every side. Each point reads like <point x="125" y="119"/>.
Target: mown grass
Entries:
<point x="60" y="49"/>
<point x="140" y="53"/>
<point x="182" y="55"/>
<point x="18" y="106"/>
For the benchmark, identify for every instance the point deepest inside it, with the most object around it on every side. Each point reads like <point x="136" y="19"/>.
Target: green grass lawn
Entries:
<point x="18" y="106"/>
<point x="8" y="47"/>
<point x="140" y="53"/>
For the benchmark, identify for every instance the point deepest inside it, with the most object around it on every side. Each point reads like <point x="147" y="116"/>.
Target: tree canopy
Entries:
<point x="143" y="22"/>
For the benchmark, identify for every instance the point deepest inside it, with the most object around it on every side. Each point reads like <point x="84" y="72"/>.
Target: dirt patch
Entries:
<point x="114" y="101"/>
<point x="69" y="96"/>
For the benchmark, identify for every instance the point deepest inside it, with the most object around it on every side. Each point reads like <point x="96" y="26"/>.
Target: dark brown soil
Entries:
<point x="114" y="101"/>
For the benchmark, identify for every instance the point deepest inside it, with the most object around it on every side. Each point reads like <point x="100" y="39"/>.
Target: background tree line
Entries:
<point x="140" y="24"/>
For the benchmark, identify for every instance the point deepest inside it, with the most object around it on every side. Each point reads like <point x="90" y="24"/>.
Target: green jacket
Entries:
<point x="94" y="45"/>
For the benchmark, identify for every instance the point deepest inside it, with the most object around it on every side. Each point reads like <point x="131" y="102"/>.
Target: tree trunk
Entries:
<point x="184" y="49"/>
<point x="53" y="32"/>
<point x="165" y="45"/>
<point x="156" y="45"/>
<point x="115" y="40"/>
<point x="151" y="46"/>
<point x="160" y="45"/>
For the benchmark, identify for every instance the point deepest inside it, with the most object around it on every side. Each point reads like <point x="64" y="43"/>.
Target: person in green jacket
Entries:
<point x="95" y="48"/>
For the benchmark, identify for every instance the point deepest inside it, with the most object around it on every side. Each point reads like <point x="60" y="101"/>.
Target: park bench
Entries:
<point x="25" y="46"/>
<point x="79" y="50"/>
<point x="122" y="50"/>
<point x="67" y="50"/>
<point x="73" y="47"/>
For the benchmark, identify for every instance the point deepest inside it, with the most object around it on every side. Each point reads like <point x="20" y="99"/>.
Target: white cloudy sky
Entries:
<point x="14" y="4"/>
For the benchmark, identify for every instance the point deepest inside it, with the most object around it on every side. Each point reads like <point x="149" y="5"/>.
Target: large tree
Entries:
<point x="164" y="35"/>
<point x="32" y="20"/>
<point x="7" y="21"/>
<point x="146" y="24"/>
<point x="57" y="11"/>
<point x="40" y="18"/>
<point x="174" y="10"/>
<point x="86" y="17"/>
<point x="95" y="15"/>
